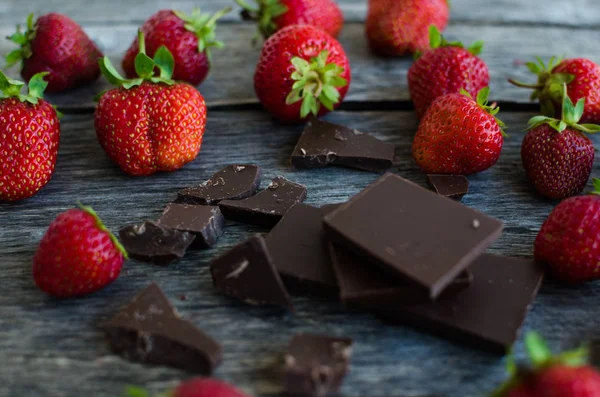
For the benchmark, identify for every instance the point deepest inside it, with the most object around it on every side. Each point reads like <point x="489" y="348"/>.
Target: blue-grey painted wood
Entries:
<point x="54" y="348"/>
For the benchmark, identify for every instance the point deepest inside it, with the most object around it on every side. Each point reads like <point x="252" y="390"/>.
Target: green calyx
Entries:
<point x="145" y="67"/>
<point x="596" y="182"/>
<point x="103" y="228"/>
<point x="203" y="26"/>
<point x="10" y="88"/>
<point x="23" y="39"/>
<point x="264" y="13"/>
<point x="316" y="84"/>
<point x="482" y="101"/>
<point x="571" y="114"/>
<point x="436" y="40"/>
<point x="549" y="84"/>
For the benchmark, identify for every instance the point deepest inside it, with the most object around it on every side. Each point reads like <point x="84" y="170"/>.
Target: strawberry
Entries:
<point x="582" y="77"/>
<point x="398" y="27"/>
<point x="196" y="387"/>
<point x="29" y="135"/>
<point x="58" y="45"/>
<point x="565" y="375"/>
<point x="567" y="241"/>
<point x="189" y="38"/>
<point x="150" y="123"/>
<point x="557" y="156"/>
<point x="302" y="70"/>
<point x="77" y="255"/>
<point x="445" y="69"/>
<point x="273" y="15"/>
<point x="459" y="135"/>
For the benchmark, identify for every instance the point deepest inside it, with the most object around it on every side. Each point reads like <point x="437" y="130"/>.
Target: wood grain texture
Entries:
<point x="53" y="348"/>
<point x="577" y="13"/>
<point x="373" y="79"/>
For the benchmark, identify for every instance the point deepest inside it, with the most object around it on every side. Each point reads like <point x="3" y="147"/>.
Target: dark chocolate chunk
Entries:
<point x="452" y="186"/>
<point x="247" y="273"/>
<point x="233" y="182"/>
<point x="299" y="251"/>
<point x="155" y="243"/>
<point x="323" y="143"/>
<point x="364" y="285"/>
<point x="411" y="232"/>
<point x="315" y="365"/>
<point x="267" y="207"/>
<point x="205" y="222"/>
<point x="149" y="331"/>
<point x="488" y="314"/>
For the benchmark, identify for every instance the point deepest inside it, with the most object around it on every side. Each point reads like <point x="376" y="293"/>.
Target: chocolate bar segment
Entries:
<point x="234" y="182"/>
<point x="149" y="331"/>
<point x="247" y="273"/>
<point x="488" y="314"/>
<point x="323" y="143"/>
<point x="452" y="186"/>
<point x="155" y="243"/>
<point x="267" y="207"/>
<point x="299" y="251"/>
<point x="315" y="365"/>
<point x="204" y="222"/>
<point x="411" y="232"/>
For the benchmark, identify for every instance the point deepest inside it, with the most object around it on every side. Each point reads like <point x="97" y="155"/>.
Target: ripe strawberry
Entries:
<point x="446" y="69"/>
<point x="301" y="68"/>
<point x="150" y="123"/>
<point x="273" y="15"/>
<point x="29" y="135"/>
<point x="196" y="387"/>
<point x="189" y="38"/>
<point x="58" y="45"/>
<point x="77" y="255"/>
<point x="567" y="241"/>
<point x="398" y="27"/>
<point x="557" y="156"/>
<point x="459" y="135"/>
<point x="565" y="375"/>
<point x="583" y="81"/>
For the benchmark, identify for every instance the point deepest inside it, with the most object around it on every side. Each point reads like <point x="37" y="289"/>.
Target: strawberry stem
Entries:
<point x="203" y="26"/>
<point x="524" y="85"/>
<point x="103" y="228"/>
<point x="265" y="13"/>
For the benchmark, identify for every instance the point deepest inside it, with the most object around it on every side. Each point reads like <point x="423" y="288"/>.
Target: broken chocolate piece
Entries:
<point x="247" y="273"/>
<point x="452" y="186"/>
<point x="299" y="251"/>
<point x="323" y="143"/>
<point x="234" y="182"/>
<point x="488" y="314"/>
<point x="149" y="331"/>
<point x="267" y="207"/>
<point x="315" y="365"/>
<point x="205" y="222"/>
<point x="411" y="232"/>
<point x="155" y="243"/>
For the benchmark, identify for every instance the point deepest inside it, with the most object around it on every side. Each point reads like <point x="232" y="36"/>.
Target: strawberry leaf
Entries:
<point x="596" y="183"/>
<point x="13" y="58"/>
<point x="534" y="67"/>
<point x="144" y="66"/>
<point x="100" y="226"/>
<point x="264" y="13"/>
<point x="476" y="48"/>
<point x="37" y="85"/>
<point x="110" y="73"/>
<point x="537" y="349"/>
<point x="483" y="95"/>
<point x="435" y="37"/>
<point x="134" y="391"/>
<point x="165" y="62"/>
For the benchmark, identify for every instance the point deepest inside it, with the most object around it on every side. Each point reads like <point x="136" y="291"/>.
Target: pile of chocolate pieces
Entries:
<point x="406" y="254"/>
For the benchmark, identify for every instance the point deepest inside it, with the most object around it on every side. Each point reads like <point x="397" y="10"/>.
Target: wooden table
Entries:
<point x="54" y="348"/>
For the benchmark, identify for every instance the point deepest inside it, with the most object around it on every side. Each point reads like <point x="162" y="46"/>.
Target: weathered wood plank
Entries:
<point x="374" y="79"/>
<point x="45" y="341"/>
<point x="578" y="13"/>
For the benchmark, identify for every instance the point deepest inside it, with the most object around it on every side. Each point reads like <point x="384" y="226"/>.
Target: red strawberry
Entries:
<point x="301" y="68"/>
<point x="459" y="135"/>
<point x="567" y="241"/>
<point x="29" y="135"/>
<point x="565" y="375"/>
<point x="583" y="81"/>
<point x="189" y="38"/>
<point x="556" y="154"/>
<point x="196" y="387"/>
<point x="398" y="27"/>
<point x="58" y="45"/>
<point x="446" y="69"/>
<point x="77" y="255"/>
<point x="273" y="15"/>
<point x="150" y="123"/>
